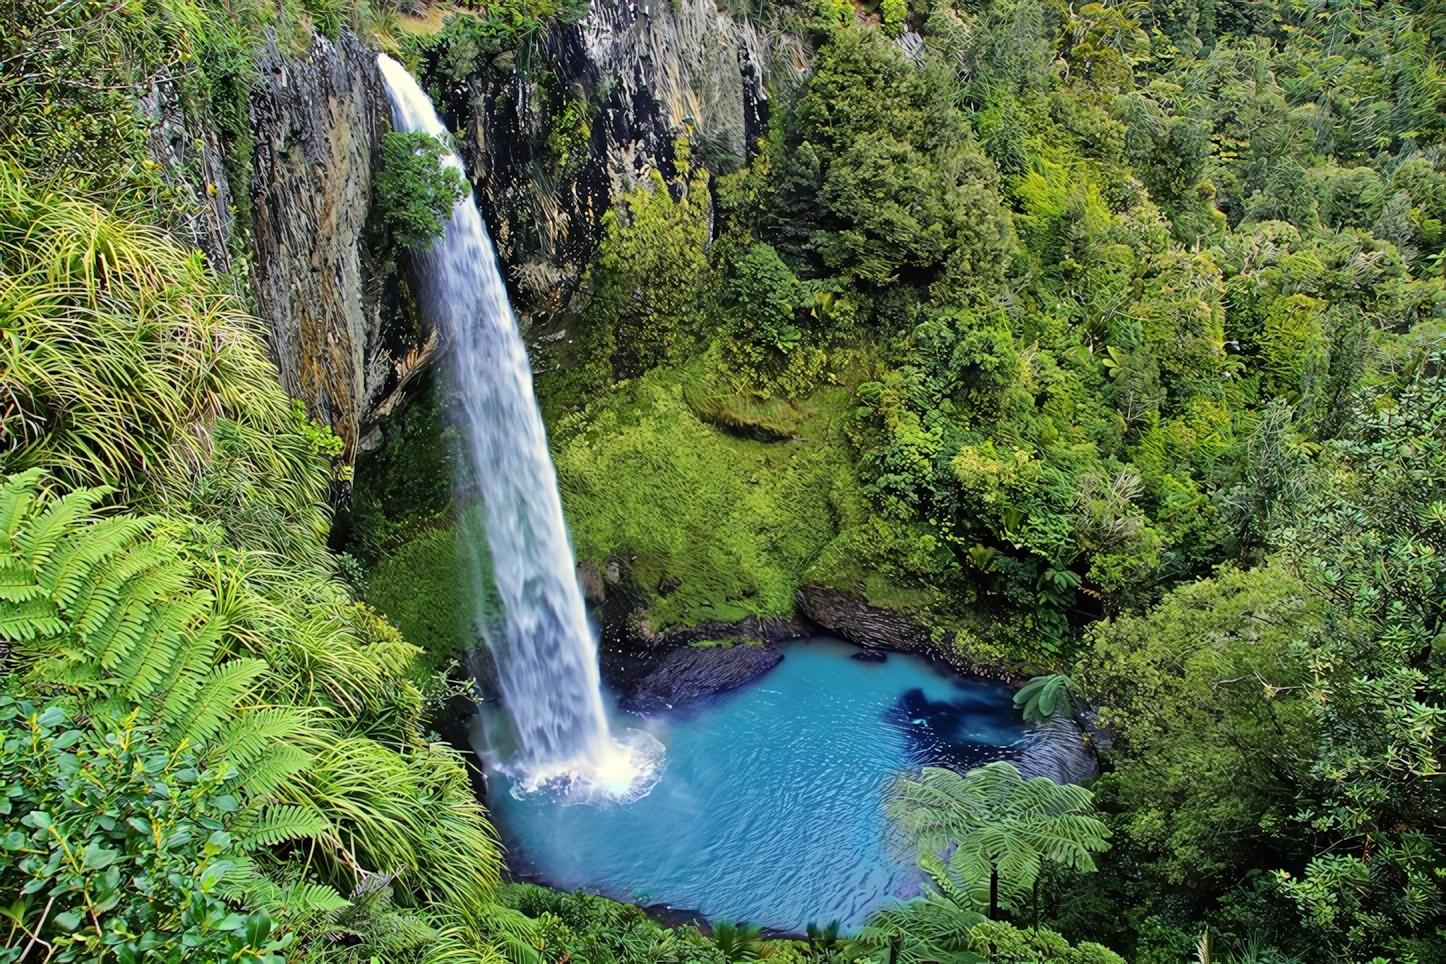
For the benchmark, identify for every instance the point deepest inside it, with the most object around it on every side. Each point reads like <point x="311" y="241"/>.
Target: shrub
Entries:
<point x="415" y="194"/>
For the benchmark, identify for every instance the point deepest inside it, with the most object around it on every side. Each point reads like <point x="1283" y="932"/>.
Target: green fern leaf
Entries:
<point x="280" y="823"/>
<point x="17" y="494"/>
<point x="196" y="715"/>
<point x="30" y="620"/>
<point x="17" y="582"/>
<point x="162" y="639"/>
<point x="43" y="534"/>
<point x="75" y="563"/>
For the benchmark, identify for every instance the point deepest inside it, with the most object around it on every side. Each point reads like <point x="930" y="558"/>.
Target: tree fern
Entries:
<point x="999" y="827"/>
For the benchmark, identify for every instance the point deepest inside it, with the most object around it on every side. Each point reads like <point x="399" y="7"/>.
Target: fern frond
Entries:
<point x="68" y="569"/>
<point x="162" y="638"/>
<point x="249" y="736"/>
<point x="280" y="823"/>
<point x="16" y="495"/>
<point x="42" y="534"/>
<point x="196" y="715"/>
<point x="17" y="581"/>
<point x="305" y="897"/>
<point x="199" y="650"/>
<point x="30" y="620"/>
<point x="110" y="612"/>
<point x="270" y="771"/>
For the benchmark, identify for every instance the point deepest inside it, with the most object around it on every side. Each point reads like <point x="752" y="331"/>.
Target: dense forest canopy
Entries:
<point x="1101" y="340"/>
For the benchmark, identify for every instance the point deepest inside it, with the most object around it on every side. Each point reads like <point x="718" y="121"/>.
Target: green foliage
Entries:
<point x="997" y="829"/>
<point x="935" y="927"/>
<point x="881" y="180"/>
<point x="302" y="691"/>
<point x="1209" y="729"/>
<point x="415" y="194"/>
<point x="595" y="930"/>
<point x="465" y="37"/>
<point x="1045" y="696"/>
<point x="121" y="847"/>
<point x="895" y="14"/>
<point x="650" y="272"/>
<point x="737" y="942"/>
<point x="418" y="588"/>
<point x="570" y="140"/>
<point x="708" y="524"/>
<point x="128" y="365"/>
<point x="403" y="485"/>
<point x="1368" y="540"/>
<point x="1003" y="942"/>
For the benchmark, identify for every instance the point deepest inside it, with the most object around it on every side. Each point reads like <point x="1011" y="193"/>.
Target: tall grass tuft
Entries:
<point x="123" y="362"/>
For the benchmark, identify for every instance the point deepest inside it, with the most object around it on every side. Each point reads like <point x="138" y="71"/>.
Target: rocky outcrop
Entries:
<point x="631" y="79"/>
<point x="852" y="619"/>
<point x="630" y="651"/>
<point x="1059" y="748"/>
<point x="693" y="673"/>
<point x="318" y="121"/>
<point x="189" y="155"/>
<point x="549" y="152"/>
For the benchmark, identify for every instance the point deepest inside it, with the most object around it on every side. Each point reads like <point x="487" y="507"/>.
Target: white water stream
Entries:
<point x="543" y="646"/>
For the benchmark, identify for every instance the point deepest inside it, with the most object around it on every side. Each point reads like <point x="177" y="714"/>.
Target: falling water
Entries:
<point x="544" y="648"/>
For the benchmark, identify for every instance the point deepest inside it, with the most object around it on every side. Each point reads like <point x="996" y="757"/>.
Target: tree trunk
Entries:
<point x="993" y="894"/>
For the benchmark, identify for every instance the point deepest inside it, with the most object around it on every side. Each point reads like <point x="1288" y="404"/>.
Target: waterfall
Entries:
<point x="544" y="648"/>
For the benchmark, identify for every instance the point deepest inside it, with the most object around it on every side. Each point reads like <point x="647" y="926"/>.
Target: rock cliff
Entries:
<point x="190" y="157"/>
<point x="551" y="133"/>
<point x="318" y="121"/>
<point x="554" y="131"/>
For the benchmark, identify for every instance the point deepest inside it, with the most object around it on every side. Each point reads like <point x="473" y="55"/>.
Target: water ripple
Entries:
<point x="772" y="806"/>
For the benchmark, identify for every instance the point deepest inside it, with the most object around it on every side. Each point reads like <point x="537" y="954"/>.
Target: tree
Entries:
<point x="883" y="175"/>
<point x="1210" y="729"/>
<point x="1371" y="542"/>
<point x="415" y="192"/>
<point x="650" y="270"/>
<point x="1002" y="829"/>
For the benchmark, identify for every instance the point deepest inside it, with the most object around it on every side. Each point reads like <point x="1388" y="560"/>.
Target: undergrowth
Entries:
<point x="718" y="526"/>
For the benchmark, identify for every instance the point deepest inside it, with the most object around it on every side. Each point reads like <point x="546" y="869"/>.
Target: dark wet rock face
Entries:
<point x="629" y="650"/>
<point x="691" y="673"/>
<point x="318" y="121"/>
<point x="1060" y="749"/>
<point x="854" y="620"/>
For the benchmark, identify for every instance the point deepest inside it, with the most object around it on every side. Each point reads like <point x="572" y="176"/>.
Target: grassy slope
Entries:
<point x="715" y="524"/>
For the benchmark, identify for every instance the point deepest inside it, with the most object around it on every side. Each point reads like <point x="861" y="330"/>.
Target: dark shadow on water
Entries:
<point x="946" y="733"/>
